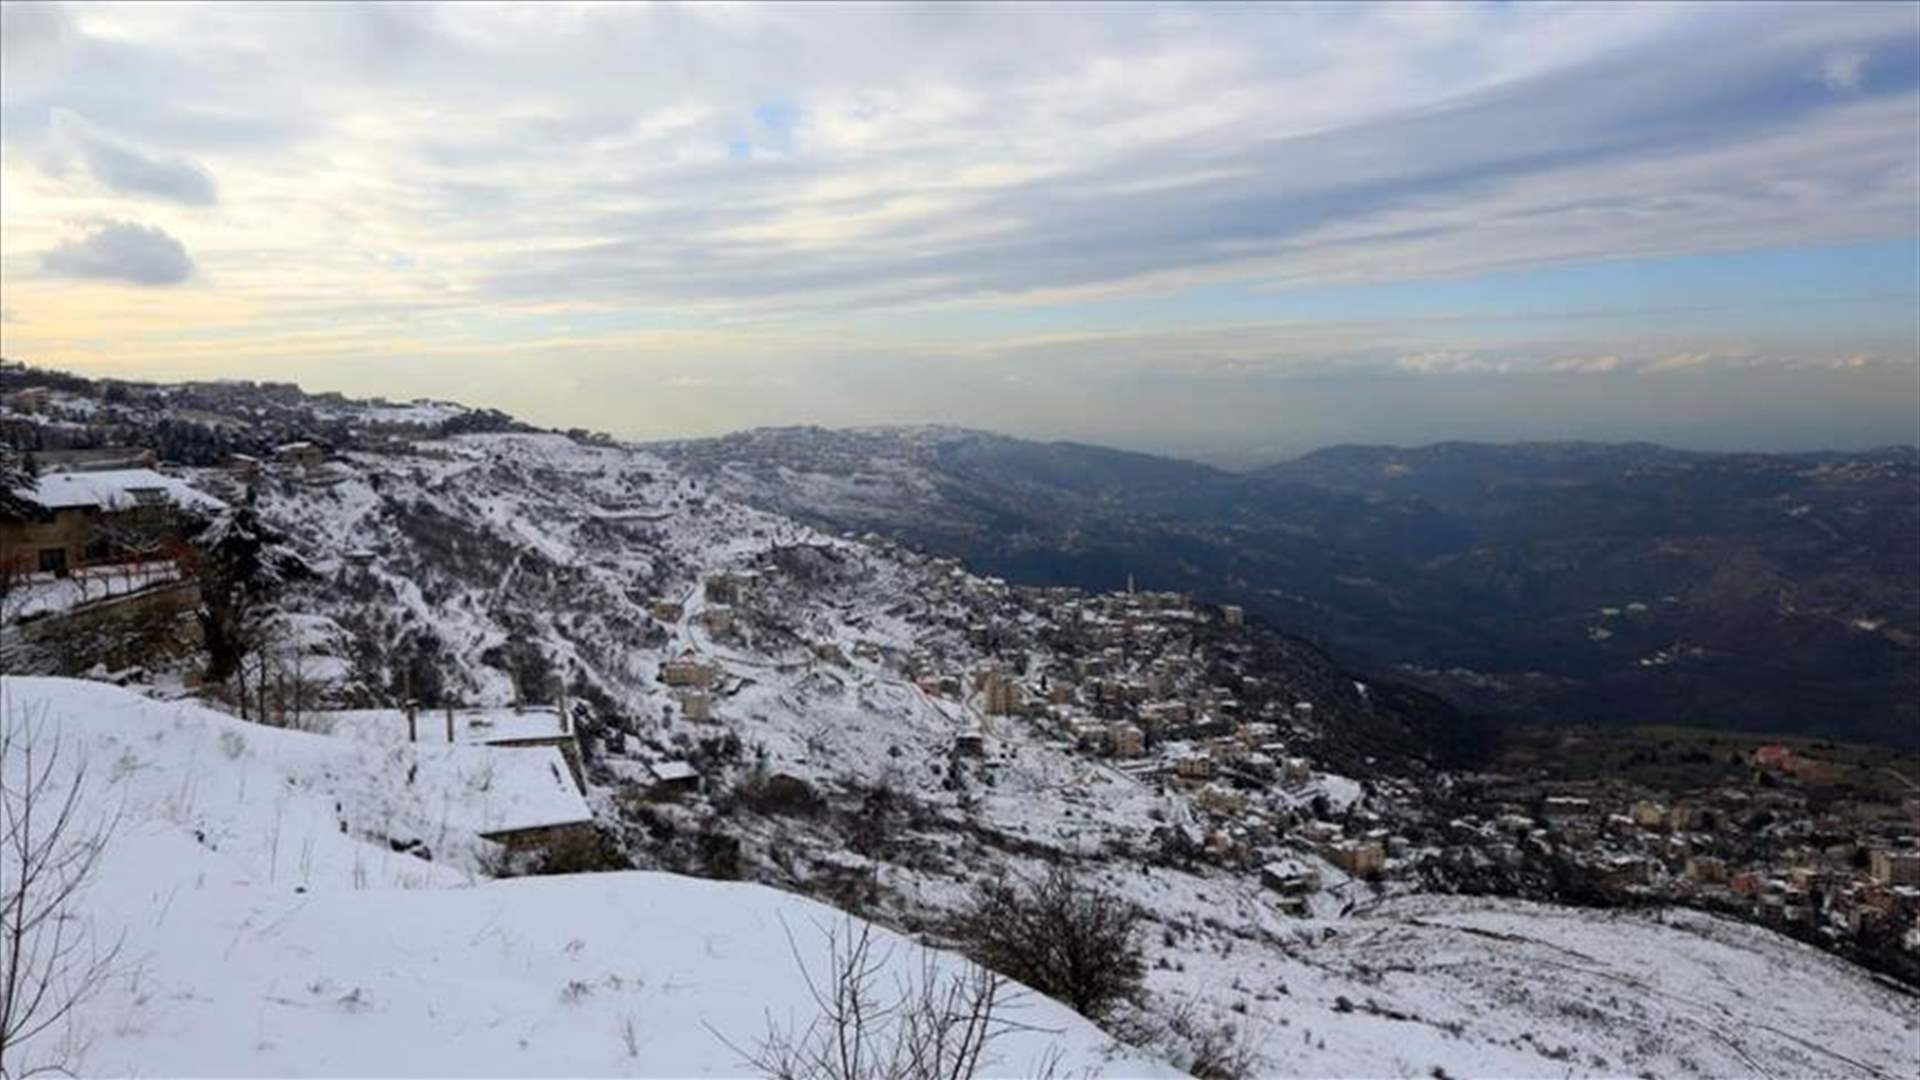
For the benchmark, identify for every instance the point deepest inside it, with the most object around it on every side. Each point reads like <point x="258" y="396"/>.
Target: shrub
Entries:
<point x="1061" y="936"/>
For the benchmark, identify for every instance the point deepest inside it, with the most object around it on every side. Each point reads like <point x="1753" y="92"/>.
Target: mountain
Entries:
<point x="802" y="718"/>
<point x="1591" y="583"/>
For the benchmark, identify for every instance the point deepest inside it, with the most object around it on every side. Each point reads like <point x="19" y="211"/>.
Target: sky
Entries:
<point x="1231" y="232"/>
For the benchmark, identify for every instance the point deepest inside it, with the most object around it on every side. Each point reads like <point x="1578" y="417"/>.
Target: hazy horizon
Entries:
<point x="1227" y="233"/>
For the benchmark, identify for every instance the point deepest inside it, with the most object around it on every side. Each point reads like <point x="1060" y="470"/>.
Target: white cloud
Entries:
<point x="1843" y="69"/>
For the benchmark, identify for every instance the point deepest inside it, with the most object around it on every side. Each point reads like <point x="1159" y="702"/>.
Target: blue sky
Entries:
<point x="1218" y="229"/>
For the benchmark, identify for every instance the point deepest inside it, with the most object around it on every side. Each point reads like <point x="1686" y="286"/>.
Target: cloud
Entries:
<point x="1585" y="365"/>
<point x="122" y="251"/>
<point x="1843" y="69"/>
<point x="779" y="161"/>
<point x="127" y="169"/>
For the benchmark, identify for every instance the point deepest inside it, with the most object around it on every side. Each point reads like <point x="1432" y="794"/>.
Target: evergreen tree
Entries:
<point x="240" y="564"/>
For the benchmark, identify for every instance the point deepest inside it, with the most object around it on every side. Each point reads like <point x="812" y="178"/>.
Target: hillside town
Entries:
<point x="613" y="667"/>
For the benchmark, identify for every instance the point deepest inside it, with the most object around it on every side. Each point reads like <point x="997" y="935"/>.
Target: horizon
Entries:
<point x="1232" y="459"/>
<point x="1223" y="233"/>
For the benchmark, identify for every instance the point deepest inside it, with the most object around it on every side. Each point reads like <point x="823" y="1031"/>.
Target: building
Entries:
<point x="100" y="460"/>
<point x="674" y="775"/>
<point x="687" y="670"/>
<point x="1219" y="799"/>
<point x="243" y="467"/>
<point x="696" y="705"/>
<point x="1290" y="876"/>
<point x="1194" y="766"/>
<point x="1892" y="867"/>
<point x="1706" y="870"/>
<point x="306" y="455"/>
<point x="1126" y="740"/>
<point x="717" y="620"/>
<point x="730" y="588"/>
<point x="666" y="611"/>
<point x="31" y="399"/>
<point x="1648" y="814"/>
<point x="79" y="512"/>
<point x="1001" y="693"/>
<point x="1233" y="614"/>
<point x="1361" y="858"/>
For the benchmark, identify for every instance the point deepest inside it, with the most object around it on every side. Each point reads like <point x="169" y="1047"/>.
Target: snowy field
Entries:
<point x="260" y="936"/>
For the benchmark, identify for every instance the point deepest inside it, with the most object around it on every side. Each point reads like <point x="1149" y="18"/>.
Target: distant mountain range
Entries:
<point x="1576" y="582"/>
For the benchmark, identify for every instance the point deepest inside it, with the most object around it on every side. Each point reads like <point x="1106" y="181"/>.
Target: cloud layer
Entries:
<point x="956" y="181"/>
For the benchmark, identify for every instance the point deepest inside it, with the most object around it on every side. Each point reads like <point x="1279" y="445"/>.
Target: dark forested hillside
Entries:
<point x="1593" y="583"/>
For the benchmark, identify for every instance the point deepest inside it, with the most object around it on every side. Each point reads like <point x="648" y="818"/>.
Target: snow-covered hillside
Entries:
<point x="474" y="554"/>
<point x="828" y="737"/>
<point x="261" y="936"/>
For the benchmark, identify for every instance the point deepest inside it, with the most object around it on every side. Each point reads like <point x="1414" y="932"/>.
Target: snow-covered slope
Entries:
<point x="259" y="938"/>
<point x="259" y="935"/>
<point x="474" y="551"/>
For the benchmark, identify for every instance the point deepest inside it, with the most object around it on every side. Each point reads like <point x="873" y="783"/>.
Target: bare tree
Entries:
<point x="138" y="538"/>
<point x="1064" y="937"/>
<point x="934" y="1025"/>
<point x="50" y="844"/>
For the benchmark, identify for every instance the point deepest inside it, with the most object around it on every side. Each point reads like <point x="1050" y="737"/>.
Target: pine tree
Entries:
<point x="240" y="564"/>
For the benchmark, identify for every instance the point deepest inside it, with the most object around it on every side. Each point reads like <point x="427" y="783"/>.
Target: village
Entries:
<point x="1798" y="839"/>
<point x="1156" y="693"/>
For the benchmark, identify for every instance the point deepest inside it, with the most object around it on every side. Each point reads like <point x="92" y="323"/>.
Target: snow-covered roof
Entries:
<point x="668" y="771"/>
<point x="115" y="489"/>
<point x="483" y="725"/>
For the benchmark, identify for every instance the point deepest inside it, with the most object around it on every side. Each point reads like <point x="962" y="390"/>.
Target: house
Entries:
<point x="1126" y="740"/>
<point x="1219" y="799"/>
<point x="666" y="611"/>
<point x="306" y="455"/>
<point x="98" y="460"/>
<point x="1648" y="814"/>
<point x="1233" y="614"/>
<point x="243" y="467"/>
<point x="1706" y="870"/>
<point x="1003" y="695"/>
<point x="78" y="511"/>
<point x="675" y="775"/>
<point x="1290" y="876"/>
<point x="687" y="670"/>
<point x="717" y="620"/>
<point x="1361" y="858"/>
<point x="31" y="399"/>
<point x="1892" y="867"/>
<point x="1194" y="766"/>
<point x="731" y="588"/>
<point x="696" y="705"/>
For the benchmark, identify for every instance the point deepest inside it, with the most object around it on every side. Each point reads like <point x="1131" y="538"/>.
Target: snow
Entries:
<point x="197" y="767"/>
<point x="261" y="934"/>
<point x="114" y="489"/>
<point x="477" y="726"/>
<point x="44" y="593"/>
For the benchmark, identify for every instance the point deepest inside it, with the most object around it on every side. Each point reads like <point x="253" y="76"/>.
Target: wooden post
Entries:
<point x="566" y="715"/>
<point x="449" y="724"/>
<point x="413" y="728"/>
